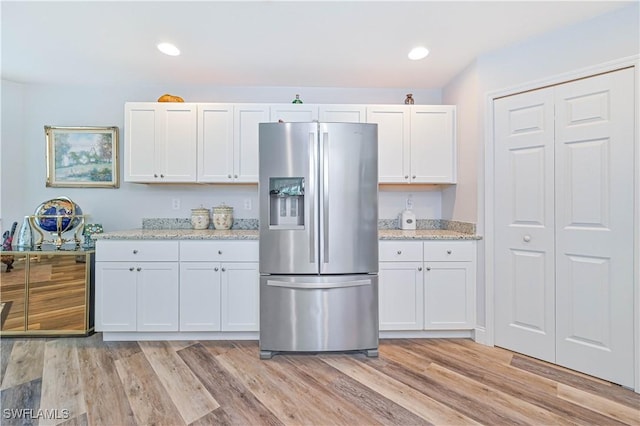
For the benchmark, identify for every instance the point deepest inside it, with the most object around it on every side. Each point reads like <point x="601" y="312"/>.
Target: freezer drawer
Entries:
<point x="318" y="313"/>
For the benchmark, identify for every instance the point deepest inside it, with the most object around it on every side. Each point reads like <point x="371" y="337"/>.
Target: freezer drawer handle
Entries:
<point x="288" y="284"/>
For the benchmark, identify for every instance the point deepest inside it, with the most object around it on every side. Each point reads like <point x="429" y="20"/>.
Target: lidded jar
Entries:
<point x="200" y="218"/>
<point x="222" y="217"/>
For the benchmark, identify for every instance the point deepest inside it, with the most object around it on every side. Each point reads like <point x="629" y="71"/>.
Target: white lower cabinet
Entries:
<point x="134" y="293"/>
<point x="400" y="296"/>
<point x="240" y="296"/>
<point x="449" y="296"/>
<point x="195" y="286"/>
<point x="219" y="286"/>
<point x="200" y="296"/>
<point x="427" y="285"/>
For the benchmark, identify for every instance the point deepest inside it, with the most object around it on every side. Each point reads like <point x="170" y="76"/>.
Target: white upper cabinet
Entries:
<point x="433" y="144"/>
<point x="218" y="143"/>
<point x="393" y="142"/>
<point x="294" y="112"/>
<point x="342" y="113"/>
<point x="160" y="142"/>
<point x="228" y="142"/>
<point x="416" y="144"/>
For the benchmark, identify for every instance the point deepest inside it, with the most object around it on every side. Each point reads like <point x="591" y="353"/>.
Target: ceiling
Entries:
<point x="268" y="43"/>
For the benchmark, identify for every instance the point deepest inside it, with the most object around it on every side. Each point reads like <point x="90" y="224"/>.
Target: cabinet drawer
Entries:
<point x="218" y="251"/>
<point x="454" y="251"/>
<point x="136" y="251"/>
<point x="400" y="251"/>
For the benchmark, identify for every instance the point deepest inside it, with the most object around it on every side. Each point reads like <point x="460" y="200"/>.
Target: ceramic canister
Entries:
<point x="222" y="217"/>
<point x="200" y="218"/>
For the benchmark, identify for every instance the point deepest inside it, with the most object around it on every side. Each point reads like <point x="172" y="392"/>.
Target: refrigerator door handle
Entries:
<point x="325" y="195"/>
<point x="303" y="285"/>
<point x="311" y="190"/>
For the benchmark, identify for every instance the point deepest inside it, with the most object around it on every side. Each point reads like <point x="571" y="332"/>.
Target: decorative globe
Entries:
<point x="50" y="212"/>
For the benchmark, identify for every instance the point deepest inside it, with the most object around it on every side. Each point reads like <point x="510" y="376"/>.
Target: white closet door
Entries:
<point x="524" y="223"/>
<point x="594" y="225"/>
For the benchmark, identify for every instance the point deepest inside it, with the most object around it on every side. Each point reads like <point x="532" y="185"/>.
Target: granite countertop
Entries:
<point x="253" y="234"/>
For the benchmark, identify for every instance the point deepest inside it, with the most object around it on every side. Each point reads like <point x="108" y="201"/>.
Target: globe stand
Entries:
<point x="58" y="239"/>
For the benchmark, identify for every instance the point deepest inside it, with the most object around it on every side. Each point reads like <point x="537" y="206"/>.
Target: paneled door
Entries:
<point x="564" y="188"/>
<point x="524" y="223"/>
<point x="594" y="225"/>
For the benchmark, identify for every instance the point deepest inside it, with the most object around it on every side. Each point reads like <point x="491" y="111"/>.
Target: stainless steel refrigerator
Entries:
<point x="318" y="237"/>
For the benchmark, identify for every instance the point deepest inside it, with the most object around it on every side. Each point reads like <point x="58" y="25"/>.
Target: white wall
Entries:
<point x="14" y="171"/>
<point x="605" y="38"/>
<point x="30" y="107"/>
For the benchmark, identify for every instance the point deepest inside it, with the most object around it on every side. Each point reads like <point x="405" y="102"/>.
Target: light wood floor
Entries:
<point x="413" y="382"/>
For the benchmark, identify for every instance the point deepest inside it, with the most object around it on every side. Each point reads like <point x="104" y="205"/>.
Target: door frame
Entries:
<point x="486" y="335"/>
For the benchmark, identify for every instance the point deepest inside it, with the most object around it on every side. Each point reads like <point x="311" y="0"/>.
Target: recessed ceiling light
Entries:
<point x="168" y="49"/>
<point x="419" y="52"/>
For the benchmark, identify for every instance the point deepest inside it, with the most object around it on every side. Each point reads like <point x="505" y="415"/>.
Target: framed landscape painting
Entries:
<point x="85" y="157"/>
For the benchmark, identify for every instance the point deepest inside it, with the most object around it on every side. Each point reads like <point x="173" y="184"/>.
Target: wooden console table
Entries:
<point x="47" y="292"/>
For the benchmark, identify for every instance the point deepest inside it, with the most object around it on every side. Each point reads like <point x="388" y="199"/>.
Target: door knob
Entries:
<point x="399" y="251"/>
<point x="138" y="269"/>
<point x="428" y="268"/>
<point x="449" y="252"/>
<point x="155" y="175"/>
<point x="419" y="268"/>
<point x="526" y="238"/>
<point x="223" y="269"/>
<point x="219" y="251"/>
<point x="135" y="252"/>
<point x="215" y="269"/>
<point x="131" y="269"/>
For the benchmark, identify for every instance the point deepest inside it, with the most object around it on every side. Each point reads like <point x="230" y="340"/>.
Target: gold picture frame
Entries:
<point x="82" y="157"/>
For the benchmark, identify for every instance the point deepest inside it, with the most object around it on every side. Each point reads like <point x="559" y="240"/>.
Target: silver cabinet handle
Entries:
<point x="138" y="269"/>
<point x="526" y="238"/>
<point x="419" y="268"/>
<point x="131" y="269"/>
<point x="449" y="251"/>
<point x="135" y="252"/>
<point x="215" y="269"/>
<point x="399" y="251"/>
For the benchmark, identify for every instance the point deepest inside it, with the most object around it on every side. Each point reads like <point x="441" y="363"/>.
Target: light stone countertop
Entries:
<point x="253" y="234"/>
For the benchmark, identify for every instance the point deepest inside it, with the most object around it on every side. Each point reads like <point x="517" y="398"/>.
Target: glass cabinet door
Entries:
<point x="12" y="291"/>
<point x="57" y="292"/>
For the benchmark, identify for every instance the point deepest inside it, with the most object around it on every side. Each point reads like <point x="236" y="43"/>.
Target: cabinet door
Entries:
<point x="393" y="142"/>
<point x="177" y="142"/>
<point x="115" y="296"/>
<point x="199" y="296"/>
<point x="157" y="296"/>
<point x="433" y="144"/>
<point x="294" y="112"/>
<point x="215" y="142"/>
<point x="140" y="135"/>
<point x="449" y="295"/>
<point x="245" y="154"/>
<point x="342" y="113"/>
<point x="160" y="142"/>
<point x="401" y="296"/>
<point x="240" y="296"/>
